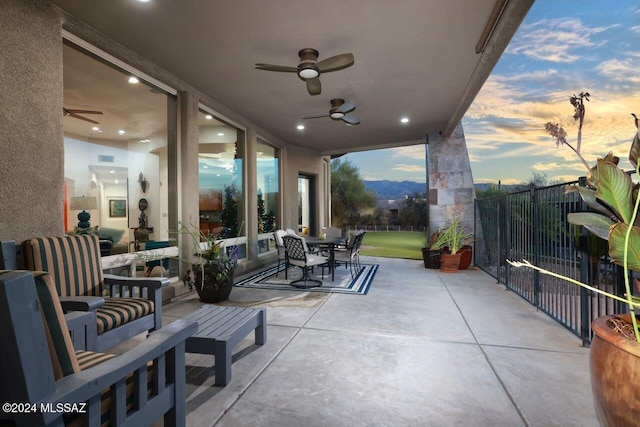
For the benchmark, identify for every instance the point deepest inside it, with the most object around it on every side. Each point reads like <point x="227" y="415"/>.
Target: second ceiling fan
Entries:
<point x="309" y="68"/>
<point x="339" y="111"/>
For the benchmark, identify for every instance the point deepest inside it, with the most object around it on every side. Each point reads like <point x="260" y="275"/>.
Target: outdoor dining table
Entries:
<point x="329" y="243"/>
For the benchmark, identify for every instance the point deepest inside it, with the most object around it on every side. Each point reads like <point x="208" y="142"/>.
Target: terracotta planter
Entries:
<point x="212" y="291"/>
<point x="450" y="263"/>
<point x="466" y="255"/>
<point x="615" y="375"/>
<point x="431" y="258"/>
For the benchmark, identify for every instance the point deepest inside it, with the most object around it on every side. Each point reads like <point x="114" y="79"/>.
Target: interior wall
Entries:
<point x="31" y="160"/>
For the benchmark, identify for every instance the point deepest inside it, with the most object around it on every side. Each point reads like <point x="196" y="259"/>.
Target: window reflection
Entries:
<point x="220" y="170"/>
<point x="268" y="188"/>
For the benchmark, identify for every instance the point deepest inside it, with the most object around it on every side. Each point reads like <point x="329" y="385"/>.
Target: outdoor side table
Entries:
<point x="220" y="328"/>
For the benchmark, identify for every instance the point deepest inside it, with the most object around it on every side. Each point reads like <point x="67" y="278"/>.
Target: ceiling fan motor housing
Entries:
<point x="335" y="113"/>
<point x="307" y="68"/>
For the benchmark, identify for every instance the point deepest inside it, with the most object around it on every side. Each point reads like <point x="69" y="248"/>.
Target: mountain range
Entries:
<point x="395" y="190"/>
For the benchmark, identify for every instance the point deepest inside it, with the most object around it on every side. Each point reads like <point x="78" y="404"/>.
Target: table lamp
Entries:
<point x="83" y="203"/>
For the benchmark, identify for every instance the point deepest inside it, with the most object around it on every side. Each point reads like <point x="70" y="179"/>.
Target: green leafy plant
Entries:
<point x="613" y="198"/>
<point x="454" y="235"/>
<point x="214" y="264"/>
<point x="437" y="240"/>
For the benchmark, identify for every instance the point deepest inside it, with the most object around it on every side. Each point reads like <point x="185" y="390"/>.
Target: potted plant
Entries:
<point x="212" y="273"/>
<point x="455" y="237"/>
<point x="431" y="253"/>
<point x="615" y="347"/>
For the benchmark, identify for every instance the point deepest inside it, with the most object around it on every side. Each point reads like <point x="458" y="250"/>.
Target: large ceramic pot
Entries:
<point x="431" y="258"/>
<point x="212" y="291"/>
<point x="466" y="255"/>
<point x="450" y="262"/>
<point x="615" y="375"/>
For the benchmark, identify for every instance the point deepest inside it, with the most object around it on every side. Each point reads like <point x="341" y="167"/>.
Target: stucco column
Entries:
<point x="251" y="165"/>
<point x="31" y="140"/>
<point x="189" y="193"/>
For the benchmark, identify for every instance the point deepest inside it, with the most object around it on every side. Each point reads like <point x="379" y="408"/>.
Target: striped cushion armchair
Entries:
<point x="67" y="387"/>
<point x="123" y="307"/>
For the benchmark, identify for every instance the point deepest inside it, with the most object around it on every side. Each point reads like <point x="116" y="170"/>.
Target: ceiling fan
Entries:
<point x="75" y="114"/>
<point x="309" y="69"/>
<point x="339" y="110"/>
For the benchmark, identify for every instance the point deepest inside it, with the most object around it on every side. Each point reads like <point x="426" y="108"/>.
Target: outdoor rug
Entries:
<point x="343" y="283"/>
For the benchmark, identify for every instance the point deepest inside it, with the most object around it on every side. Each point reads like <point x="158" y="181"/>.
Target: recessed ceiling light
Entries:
<point x="112" y="171"/>
<point x="133" y="80"/>
<point x="404" y="120"/>
<point x="220" y="133"/>
<point x="208" y="117"/>
<point x="144" y="1"/>
<point x="117" y="182"/>
<point x="121" y="132"/>
<point x="300" y="127"/>
<point x="95" y="128"/>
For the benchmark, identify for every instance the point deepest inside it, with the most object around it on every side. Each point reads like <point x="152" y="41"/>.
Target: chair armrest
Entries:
<point x="81" y="303"/>
<point x="151" y="283"/>
<point x="82" y="328"/>
<point x="82" y="386"/>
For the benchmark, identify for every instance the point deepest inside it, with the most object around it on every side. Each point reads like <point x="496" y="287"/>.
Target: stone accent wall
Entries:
<point x="451" y="189"/>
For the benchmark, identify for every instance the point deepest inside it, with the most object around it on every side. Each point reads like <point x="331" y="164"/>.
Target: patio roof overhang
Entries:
<point x="425" y="60"/>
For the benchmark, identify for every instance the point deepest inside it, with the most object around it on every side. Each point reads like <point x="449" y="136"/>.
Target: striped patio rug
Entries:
<point x="343" y="283"/>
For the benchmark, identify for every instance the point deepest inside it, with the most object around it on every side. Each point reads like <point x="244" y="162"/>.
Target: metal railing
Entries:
<point x="532" y="225"/>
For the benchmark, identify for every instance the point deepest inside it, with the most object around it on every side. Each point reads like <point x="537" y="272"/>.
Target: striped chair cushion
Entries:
<point x="73" y="261"/>
<point x="63" y="357"/>
<point x="117" y="311"/>
<point x="89" y="359"/>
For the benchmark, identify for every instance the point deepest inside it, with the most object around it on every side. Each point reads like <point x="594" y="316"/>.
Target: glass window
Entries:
<point x="220" y="171"/>
<point x="116" y="152"/>
<point x="268" y="177"/>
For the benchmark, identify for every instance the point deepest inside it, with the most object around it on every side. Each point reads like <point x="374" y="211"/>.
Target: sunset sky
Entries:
<point x="562" y="48"/>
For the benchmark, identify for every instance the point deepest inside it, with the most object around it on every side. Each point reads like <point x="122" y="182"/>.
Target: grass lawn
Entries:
<point x="393" y="244"/>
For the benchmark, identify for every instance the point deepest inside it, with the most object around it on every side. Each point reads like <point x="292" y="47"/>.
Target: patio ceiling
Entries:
<point x="413" y="58"/>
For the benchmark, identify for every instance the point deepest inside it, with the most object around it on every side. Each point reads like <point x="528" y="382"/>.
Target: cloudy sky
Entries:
<point x="562" y="48"/>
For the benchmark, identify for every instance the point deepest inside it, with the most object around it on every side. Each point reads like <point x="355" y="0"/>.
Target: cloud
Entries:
<point x="409" y="168"/>
<point x="554" y="40"/>
<point x="621" y="70"/>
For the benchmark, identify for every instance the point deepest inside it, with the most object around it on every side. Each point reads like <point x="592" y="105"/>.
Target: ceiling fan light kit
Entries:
<point x="307" y="68"/>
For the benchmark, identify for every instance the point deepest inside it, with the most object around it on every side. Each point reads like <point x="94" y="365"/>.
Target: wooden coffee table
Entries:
<point x="220" y="328"/>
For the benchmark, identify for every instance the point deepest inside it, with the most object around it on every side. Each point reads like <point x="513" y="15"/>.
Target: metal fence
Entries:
<point x="532" y="225"/>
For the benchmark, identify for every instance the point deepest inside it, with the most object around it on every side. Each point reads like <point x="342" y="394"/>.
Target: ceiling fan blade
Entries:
<point x="335" y="63"/>
<point x="347" y="106"/>
<point x="279" y="68"/>
<point x="84" y="112"/>
<point x="350" y="119"/>
<point x="315" y="117"/>
<point x="83" y="118"/>
<point x="313" y="86"/>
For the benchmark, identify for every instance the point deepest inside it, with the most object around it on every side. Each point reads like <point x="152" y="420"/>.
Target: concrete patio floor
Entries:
<point x="423" y="348"/>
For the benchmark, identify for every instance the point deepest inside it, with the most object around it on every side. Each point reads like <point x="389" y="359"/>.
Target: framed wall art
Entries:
<point x="117" y="208"/>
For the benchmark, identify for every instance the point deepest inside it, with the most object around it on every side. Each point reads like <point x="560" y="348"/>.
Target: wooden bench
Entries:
<point x="220" y="328"/>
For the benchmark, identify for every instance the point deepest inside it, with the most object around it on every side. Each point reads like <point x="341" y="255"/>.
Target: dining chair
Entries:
<point x="283" y="259"/>
<point x="299" y="256"/>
